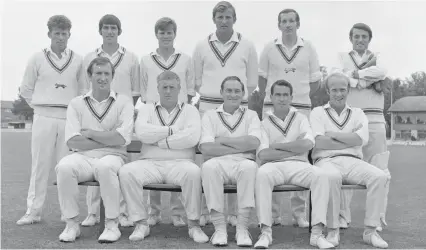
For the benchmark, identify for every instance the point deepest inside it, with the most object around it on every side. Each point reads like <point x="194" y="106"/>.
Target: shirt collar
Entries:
<point x="119" y="50"/>
<point x="220" y="109"/>
<point x="112" y="94"/>
<point x="326" y="106"/>
<point x="271" y="111"/>
<point x="174" y="53"/>
<point x="234" y="37"/>
<point x="299" y="41"/>
<point x="65" y="53"/>
<point x="367" y="53"/>
<point x="179" y="104"/>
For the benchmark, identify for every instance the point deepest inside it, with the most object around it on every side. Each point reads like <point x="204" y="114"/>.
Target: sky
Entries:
<point x="399" y="32"/>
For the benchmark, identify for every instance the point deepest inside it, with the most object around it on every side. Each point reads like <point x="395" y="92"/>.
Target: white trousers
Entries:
<point x="231" y="199"/>
<point x="76" y="168"/>
<point x="373" y="154"/>
<point x="299" y="200"/>
<point x="47" y="148"/>
<point x="228" y="170"/>
<point x="134" y="175"/>
<point x="349" y="170"/>
<point x="295" y="173"/>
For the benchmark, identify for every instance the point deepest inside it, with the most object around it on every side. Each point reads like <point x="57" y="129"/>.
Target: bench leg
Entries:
<point x="310" y="211"/>
<point x="102" y="218"/>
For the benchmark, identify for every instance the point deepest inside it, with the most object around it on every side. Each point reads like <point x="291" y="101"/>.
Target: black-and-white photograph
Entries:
<point x="206" y="124"/>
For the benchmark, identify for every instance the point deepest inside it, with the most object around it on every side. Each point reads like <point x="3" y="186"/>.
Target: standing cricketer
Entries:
<point x="99" y="126"/>
<point x="340" y="132"/>
<point x="166" y="58"/>
<point x="126" y="82"/>
<point x="367" y="78"/>
<point x="52" y="78"/>
<point x="223" y="53"/>
<point x="294" y="59"/>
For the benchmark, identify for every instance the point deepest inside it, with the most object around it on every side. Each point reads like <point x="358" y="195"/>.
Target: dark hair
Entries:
<point x="99" y="61"/>
<point x="110" y="19"/>
<point x="223" y="6"/>
<point x="59" y="21"/>
<point x="232" y="78"/>
<point x="163" y="23"/>
<point x="288" y="11"/>
<point x="282" y="83"/>
<point x="361" y="26"/>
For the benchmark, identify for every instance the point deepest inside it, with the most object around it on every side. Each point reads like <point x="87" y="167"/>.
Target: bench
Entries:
<point x="135" y="146"/>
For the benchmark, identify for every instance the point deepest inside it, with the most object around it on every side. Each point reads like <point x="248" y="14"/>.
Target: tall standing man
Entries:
<point x="223" y="53"/>
<point x="52" y="78"/>
<point x="294" y="59"/>
<point x="367" y="78"/>
<point x="98" y="128"/>
<point x="126" y="81"/>
<point x="166" y="58"/>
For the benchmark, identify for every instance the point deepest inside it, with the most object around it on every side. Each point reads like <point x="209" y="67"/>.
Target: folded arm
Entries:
<point x="83" y="143"/>
<point x="271" y="154"/>
<point x="298" y="147"/>
<point x="243" y="143"/>
<point x="326" y="142"/>
<point x="214" y="149"/>
<point x="106" y="138"/>
<point x="350" y="139"/>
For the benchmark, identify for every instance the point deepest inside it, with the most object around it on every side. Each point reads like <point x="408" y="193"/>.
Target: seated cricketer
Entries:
<point x="169" y="131"/>
<point x="230" y="136"/>
<point x="340" y="132"/>
<point x="99" y="125"/>
<point x="284" y="154"/>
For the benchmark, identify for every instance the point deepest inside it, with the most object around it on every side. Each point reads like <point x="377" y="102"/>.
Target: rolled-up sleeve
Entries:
<point x="264" y="63"/>
<point x="362" y="126"/>
<point x="314" y="67"/>
<point x="315" y="120"/>
<point x="252" y="67"/>
<point x="305" y="128"/>
<point x="264" y="142"/>
<point x="134" y="77"/>
<point x="143" y="80"/>
<point x="125" y="129"/>
<point x="26" y="89"/>
<point x="207" y="128"/>
<point x="254" y="126"/>
<point x="73" y="124"/>
<point x="198" y="65"/>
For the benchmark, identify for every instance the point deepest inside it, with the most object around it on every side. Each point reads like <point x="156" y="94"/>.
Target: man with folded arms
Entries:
<point x="284" y="153"/>
<point x="169" y="131"/>
<point x="230" y="136"/>
<point x="340" y="132"/>
<point x="99" y="126"/>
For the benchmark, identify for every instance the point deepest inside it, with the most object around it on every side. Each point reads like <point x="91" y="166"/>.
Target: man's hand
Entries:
<point x="301" y="136"/>
<point x="255" y="101"/>
<point x="331" y="134"/>
<point x="221" y="139"/>
<point x="355" y="74"/>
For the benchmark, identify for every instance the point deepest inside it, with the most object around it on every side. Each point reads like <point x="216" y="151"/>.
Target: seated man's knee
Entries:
<point x="209" y="167"/>
<point x="124" y="173"/>
<point x="193" y="172"/>
<point x="263" y="173"/>
<point x="64" y="169"/>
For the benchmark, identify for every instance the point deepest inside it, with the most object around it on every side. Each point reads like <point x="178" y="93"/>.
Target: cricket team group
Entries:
<point x="85" y="116"/>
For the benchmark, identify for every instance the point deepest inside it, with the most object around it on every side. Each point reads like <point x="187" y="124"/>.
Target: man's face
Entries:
<point x="101" y="77"/>
<point x="224" y="20"/>
<point x="360" y="40"/>
<point x="338" y="91"/>
<point x="166" y="37"/>
<point x="288" y="23"/>
<point x="109" y="33"/>
<point x="232" y="93"/>
<point x="281" y="99"/>
<point x="59" y="37"/>
<point x="169" y="90"/>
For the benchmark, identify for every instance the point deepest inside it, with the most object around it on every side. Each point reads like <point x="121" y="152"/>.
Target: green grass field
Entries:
<point x="406" y="211"/>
